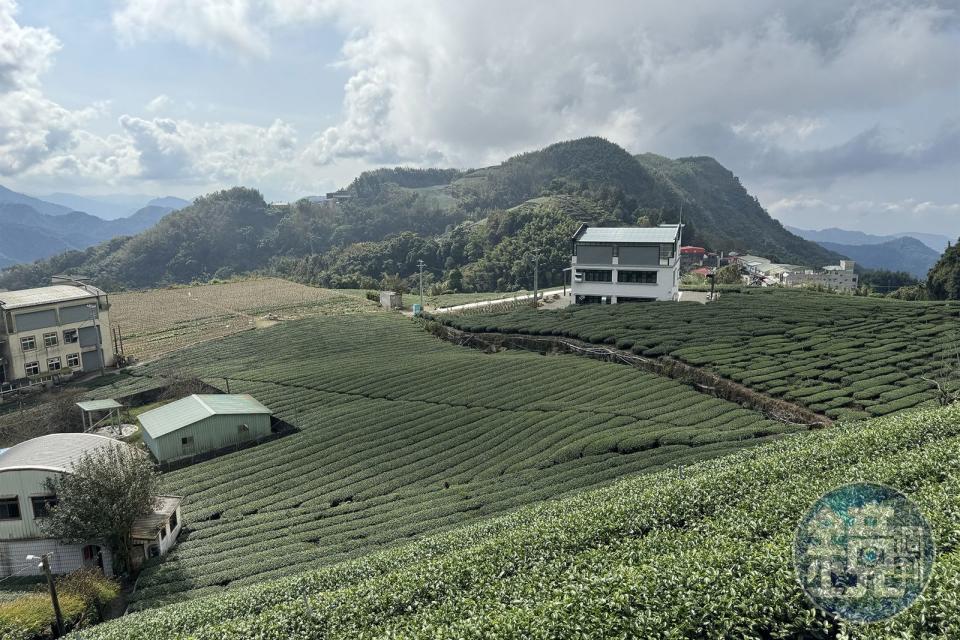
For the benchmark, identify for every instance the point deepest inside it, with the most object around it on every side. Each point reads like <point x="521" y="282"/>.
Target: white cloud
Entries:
<point x="221" y="25"/>
<point x="231" y="153"/>
<point x="161" y="103"/>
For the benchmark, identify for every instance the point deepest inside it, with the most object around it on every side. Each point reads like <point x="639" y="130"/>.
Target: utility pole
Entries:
<point x="93" y="308"/>
<point x="45" y="565"/>
<point x="536" y="273"/>
<point x="421" y="264"/>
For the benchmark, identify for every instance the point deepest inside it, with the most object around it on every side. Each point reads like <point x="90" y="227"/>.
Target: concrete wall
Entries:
<point x="64" y="558"/>
<point x="215" y="432"/>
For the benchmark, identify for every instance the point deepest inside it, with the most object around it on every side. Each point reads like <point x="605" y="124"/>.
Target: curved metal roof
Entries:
<point x="54" y="452"/>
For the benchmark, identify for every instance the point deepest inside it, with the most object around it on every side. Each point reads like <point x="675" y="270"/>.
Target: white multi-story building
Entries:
<point x="613" y="265"/>
<point x="53" y="331"/>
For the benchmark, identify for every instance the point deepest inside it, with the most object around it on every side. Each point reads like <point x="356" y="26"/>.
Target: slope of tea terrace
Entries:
<point x="848" y="357"/>
<point x="402" y="435"/>
<point x="707" y="555"/>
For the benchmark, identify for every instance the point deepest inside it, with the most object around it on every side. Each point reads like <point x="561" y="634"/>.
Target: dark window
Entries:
<point x="173" y="521"/>
<point x="187" y="443"/>
<point x="70" y="336"/>
<point x="626" y="300"/>
<point x="9" y="508"/>
<point x="73" y="360"/>
<point x="32" y="368"/>
<point x="163" y="532"/>
<point x="637" y="277"/>
<point x="243" y="431"/>
<point x="28" y="343"/>
<point x="597" y="275"/>
<point x="50" y="340"/>
<point x="589" y="300"/>
<point x="42" y="504"/>
<point x="53" y="364"/>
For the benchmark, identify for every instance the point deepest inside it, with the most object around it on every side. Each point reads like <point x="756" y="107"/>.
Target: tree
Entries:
<point x="102" y="497"/>
<point x="943" y="280"/>
<point x="730" y="274"/>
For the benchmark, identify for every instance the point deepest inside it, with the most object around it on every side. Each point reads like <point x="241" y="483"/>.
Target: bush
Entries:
<point x="373" y="296"/>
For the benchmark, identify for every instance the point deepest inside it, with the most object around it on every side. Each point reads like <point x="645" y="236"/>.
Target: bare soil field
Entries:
<point x="158" y="321"/>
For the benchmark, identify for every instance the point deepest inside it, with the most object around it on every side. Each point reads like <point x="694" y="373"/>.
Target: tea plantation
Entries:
<point x="707" y="555"/>
<point x="846" y="357"/>
<point x="403" y="435"/>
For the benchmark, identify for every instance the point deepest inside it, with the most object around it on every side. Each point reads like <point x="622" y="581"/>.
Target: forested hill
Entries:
<point x="473" y="228"/>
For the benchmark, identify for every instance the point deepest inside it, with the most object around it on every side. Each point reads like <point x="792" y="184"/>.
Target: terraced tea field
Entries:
<point x="708" y="555"/>
<point x="847" y="357"/>
<point x="403" y="435"/>
<point x="158" y="321"/>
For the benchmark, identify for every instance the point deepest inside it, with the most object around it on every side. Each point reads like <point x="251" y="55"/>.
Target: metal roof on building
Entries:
<point x="55" y="452"/>
<point x="146" y="527"/>
<point x="45" y="295"/>
<point x="663" y="233"/>
<point x="99" y="405"/>
<point x="186" y="411"/>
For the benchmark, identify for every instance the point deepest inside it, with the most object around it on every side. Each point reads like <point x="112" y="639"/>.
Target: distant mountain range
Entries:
<point x="34" y="228"/>
<point x="110" y="206"/>
<point x="914" y="253"/>
<point x="844" y="236"/>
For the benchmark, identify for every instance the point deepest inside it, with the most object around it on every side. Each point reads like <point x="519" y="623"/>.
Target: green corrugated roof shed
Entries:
<point x="186" y="411"/>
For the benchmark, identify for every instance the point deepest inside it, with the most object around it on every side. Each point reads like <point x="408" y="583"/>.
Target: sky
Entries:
<point x="832" y="113"/>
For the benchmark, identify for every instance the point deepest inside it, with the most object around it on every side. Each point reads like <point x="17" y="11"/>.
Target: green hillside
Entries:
<point x="392" y="218"/>
<point x="403" y="435"/>
<point x="844" y="356"/>
<point x="705" y="555"/>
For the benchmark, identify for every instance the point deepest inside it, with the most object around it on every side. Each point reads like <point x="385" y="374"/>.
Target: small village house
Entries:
<point x="203" y="423"/>
<point x="53" y="331"/>
<point x="391" y="300"/>
<point x="614" y="265"/>
<point x="24" y="501"/>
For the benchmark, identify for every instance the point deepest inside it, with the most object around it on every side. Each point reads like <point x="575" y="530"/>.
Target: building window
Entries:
<point x="28" y="343"/>
<point x="73" y="360"/>
<point x="53" y="364"/>
<point x="637" y="277"/>
<point x="42" y="505"/>
<point x="50" y="340"/>
<point x="32" y="368"/>
<point x="597" y="275"/>
<point x="173" y="521"/>
<point x="243" y="431"/>
<point x="71" y="336"/>
<point x="187" y="444"/>
<point x="666" y="251"/>
<point x="9" y="508"/>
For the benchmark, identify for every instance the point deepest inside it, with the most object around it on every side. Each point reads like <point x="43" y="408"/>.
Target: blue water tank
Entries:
<point x="417" y="309"/>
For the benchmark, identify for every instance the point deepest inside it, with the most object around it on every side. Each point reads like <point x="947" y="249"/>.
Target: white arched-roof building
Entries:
<point x="24" y="498"/>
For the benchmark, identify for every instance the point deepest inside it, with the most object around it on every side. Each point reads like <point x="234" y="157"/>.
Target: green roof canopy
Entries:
<point x="186" y="411"/>
<point x="99" y="405"/>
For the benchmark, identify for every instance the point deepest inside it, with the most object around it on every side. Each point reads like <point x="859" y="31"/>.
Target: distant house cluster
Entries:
<point x="53" y="331"/>
<point x="764" y="272"/>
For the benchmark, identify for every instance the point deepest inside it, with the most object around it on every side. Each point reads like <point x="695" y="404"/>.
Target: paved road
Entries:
<point x="487" y="303"/>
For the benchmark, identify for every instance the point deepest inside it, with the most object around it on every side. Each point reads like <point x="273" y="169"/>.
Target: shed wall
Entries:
<point x="210" y="433"/>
